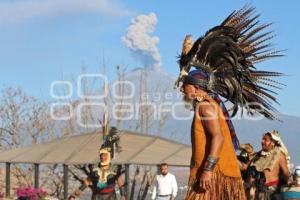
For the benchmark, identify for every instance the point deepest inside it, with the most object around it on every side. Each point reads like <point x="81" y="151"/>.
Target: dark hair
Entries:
<point x="270" y="135"/>
<point x="71" y="196"/>
<point x="163" y="164"/>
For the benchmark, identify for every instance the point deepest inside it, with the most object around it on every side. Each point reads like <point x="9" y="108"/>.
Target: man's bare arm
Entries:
<point x="120" y="183"/>
<point x="284" y="167"/>
<point x="209" y="116"/>
<point x="210" y="120"/>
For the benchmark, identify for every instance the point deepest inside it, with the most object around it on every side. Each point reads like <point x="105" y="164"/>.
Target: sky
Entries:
<point x="51" y="40"/>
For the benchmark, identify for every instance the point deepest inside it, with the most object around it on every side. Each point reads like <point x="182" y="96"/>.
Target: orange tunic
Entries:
<point x="227" y="164"/>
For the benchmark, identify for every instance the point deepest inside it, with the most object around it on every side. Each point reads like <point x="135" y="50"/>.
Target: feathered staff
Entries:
<point x="227" y="53"/>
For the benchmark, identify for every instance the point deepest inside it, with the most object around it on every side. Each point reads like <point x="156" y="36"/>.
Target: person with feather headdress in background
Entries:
<point x="224" y="59"/>
<point x="272" y="162"/>
<point x="103" y="177"/>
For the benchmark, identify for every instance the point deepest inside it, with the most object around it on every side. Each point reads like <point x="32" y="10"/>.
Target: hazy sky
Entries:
<point x="47" y="40"/>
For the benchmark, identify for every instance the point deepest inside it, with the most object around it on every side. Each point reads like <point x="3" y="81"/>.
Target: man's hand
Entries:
<point x="172" y="198"/>
<point x="78" y="192"/>
<point x="87" y="182"/>
<point x="205" y="180"/>
<point x="291" y="183"/>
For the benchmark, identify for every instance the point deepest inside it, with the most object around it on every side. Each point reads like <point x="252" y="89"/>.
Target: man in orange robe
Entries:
<point x="224" y="59"/>
<point x="215" y="172"/>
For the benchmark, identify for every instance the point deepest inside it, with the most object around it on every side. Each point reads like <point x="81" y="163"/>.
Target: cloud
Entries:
<point x="142" y="45"/>
<point x="20" y="11"/>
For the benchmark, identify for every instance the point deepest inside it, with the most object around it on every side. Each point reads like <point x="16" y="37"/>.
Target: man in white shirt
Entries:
<point x="165" y="187"/>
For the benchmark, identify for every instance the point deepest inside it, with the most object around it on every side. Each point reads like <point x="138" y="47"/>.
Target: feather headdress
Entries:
<point x="227" y="53"/>
<point x="111" y="143"/>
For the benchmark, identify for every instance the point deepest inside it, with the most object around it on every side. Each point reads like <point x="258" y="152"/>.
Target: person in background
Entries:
<point x="247" y="153"/>
<point x="103" y="179"/>
<point x="105" y="176"/>
<point x="297" y="176"/>
<point x="165" y="187"/>
<point x="272" y="163"/>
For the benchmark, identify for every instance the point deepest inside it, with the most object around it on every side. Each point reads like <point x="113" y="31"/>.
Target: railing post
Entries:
<point x="127" y="180"/>
<point x="36" y="175"/>
<point x="7" y="180"/>
<point x="65" y="181"/>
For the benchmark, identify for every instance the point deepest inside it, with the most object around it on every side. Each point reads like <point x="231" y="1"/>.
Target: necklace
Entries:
<point x="265" y="153"/>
